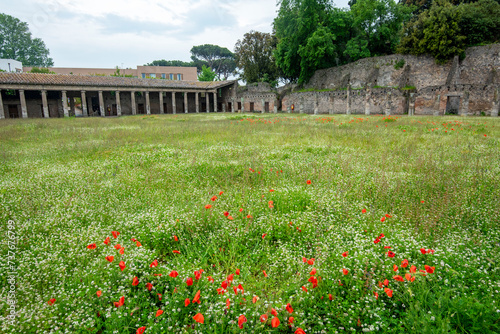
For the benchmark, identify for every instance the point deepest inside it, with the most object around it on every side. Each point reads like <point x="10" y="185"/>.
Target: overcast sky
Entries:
<point x="127" y="33"/>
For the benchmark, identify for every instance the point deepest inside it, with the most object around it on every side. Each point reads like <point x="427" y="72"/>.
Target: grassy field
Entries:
<point x="256" y="224"/>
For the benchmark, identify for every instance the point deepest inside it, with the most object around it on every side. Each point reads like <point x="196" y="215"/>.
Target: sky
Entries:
<point x="128" y="33"/>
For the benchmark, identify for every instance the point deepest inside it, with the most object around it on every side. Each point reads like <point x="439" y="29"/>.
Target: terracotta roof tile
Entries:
<point x="87" y="80"/>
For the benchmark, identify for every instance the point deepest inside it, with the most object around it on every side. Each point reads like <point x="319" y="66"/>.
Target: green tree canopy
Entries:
<point x="219" y="59"/>
<point x="480" y="22"/>
<point x="17" y="43"/>
<point x="177" y="63"/>
<point x="254" y="56"/>
<point x="207" y="74"/>
<point x="43" y="70"/>
<point x="435" y="32"/>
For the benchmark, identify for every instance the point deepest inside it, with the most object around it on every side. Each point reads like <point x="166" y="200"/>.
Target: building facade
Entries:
<point x="11" y="66"/>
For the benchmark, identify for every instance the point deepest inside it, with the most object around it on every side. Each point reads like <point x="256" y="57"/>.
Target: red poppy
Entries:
<point x="122" y="250"/>
<point x="274" y="312"/>
<point x="387" y="247"/>
<point x="118" y="246"/>
<point x="235" y="289"/>
<point x="271" y="204"/>
<point x="220" y="193"/>
<point x="376" y="294"/>
<point x="187" y="302"/>
<point x="241" y="320"/>
<point x="228" y="303"/>
<point x="423" y="251"/>
<point x="345" y="254"/>
<point x="388" y="215"/>
<point x="199" y="318"/>
<point x="395" y="267"/>
<point x="290" y="321"/>
<point x="149" y="286"/>
<point x="409" y="277"/>
<point x="254" y="299"/>
<point x="237" y="272"/>
<point x="241" y="209"/>
<point x="271" y="190"/>
<point x="308" y="182"/>
<point x="430" y="270"/>
<point x="386" y="282"/>
<point x="120" y="302"/>
<point x="381" y="236"/>
<point x="249" y="216"/>
<point x="363" y="211"/>
<point x="275" y="322"/>
<point x="382" y="219"/>
<point x="264" y="235"/>
<point x="189" y="281"/>
<point x="141" y="330"/>
<point x="226" y="213"/>
<point x="264" y="272"/>
<point x="224" y="284"/>
<point x="154" y="264"/>
<point x="138" y="243"/>
<point x="311" y="261"/>
<point x="345" y="271"/>
<point x="115" y="234"/>
<point x="289" y="308"/>
<point x="214" y="198"/>
<point x="159" y="296"/>
<point x="230" y="217"/>
<point x="376" y="241"/>
<point x="106" y="241"/>
<point x="313" y="272"/>
<point x="175" y="238"/>
<point x="208" y="206"/>
<point x="299" y="331"/>
<point x="92" y="246"/>
<point x="388" y="292"/>
<point x="158" y="313"/>
<point x="173" y="274"/>
<point x="176" y="251"/>
<point x="220" y="291"/>
<point x="99" y="293"/>
<point x="314" y="281"/>
<point x="122" y="265"/>
<point x="197" y="275"/>
<point x="263" y="318"/>
<point x="210" y="279"/>
<point x="391" y="254"/>
<point x="51" y="301"/>
<point x="430" y="251"/>
<point x="413" y="269"/>
<point x="330" y="297"/>
<point x="135" y="281"/>
<point x="399" y="278"/>
<point x="304" y="288"/>
<point x="110" y="258"/>
<point x="404" y="263"/>
<point x="240" y="287"/>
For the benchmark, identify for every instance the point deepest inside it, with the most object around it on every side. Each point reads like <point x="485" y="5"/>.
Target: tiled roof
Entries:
<point x="87" y="80"/>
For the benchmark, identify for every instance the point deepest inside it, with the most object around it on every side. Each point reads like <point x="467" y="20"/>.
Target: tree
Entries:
<point x="435" y="32"/>
<point x="43" y="70"/>
<point x="17" y="43"/>
<point x="302" y="26"/>
<point x="219" y="59"/>
<point x="480" y="22"/>
<point x="254" y="56"/>
<point x="206" y="74"/>
<point x="177" y="63"/>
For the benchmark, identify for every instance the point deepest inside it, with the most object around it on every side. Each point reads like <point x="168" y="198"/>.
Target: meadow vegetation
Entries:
<point x="229" y="223"/>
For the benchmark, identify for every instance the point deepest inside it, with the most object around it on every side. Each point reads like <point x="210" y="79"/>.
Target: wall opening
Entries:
<point x="266" y="106"/>
<point x="140" y="109"/>
<point x="251" y="106"/>
<point x="239" y="106"/>
<point x="452" y="105"/>
<point x="13" y="111"/>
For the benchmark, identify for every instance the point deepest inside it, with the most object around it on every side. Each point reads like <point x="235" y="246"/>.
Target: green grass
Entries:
<point x="68" y="183"/>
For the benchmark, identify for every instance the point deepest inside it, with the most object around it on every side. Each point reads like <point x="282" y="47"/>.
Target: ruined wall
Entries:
<point x="257" y="98"/>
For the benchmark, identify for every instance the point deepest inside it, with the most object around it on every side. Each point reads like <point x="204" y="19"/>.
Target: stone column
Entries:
<point x="118" y="104"/>
<point x="101" y="104"/>
<point x="242" y="104"/>
<point x="438" y="102"/>
<point x="45" y="105"/>
<point x="275" y="107"/>
<point x="186" y="103"/>
<point x="84" y="104"/>
<point x="197" y="102"/>
<point x="224" y="107"/>
<point x="148" y="105"/>
<point x="232" y="104"/>
<point x="348" y="111"/>
<point x="173" y="103"/>
<point x="134" y="107"/>
<point x="315" y="103"/>
<point x="367" y="100"/>
<point x="160" y="97"/>
<point x="387" y="110"/>
<point x="215" y="101"/>
<point x="65" y="103"/>
<point x="207" y="100"/>
<point x="412" y="104"/>
<point x="496" y="103"/>
<point x="263" y="105"/>
<point x="24" y="109"/>
<point x="2" y="112"/>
